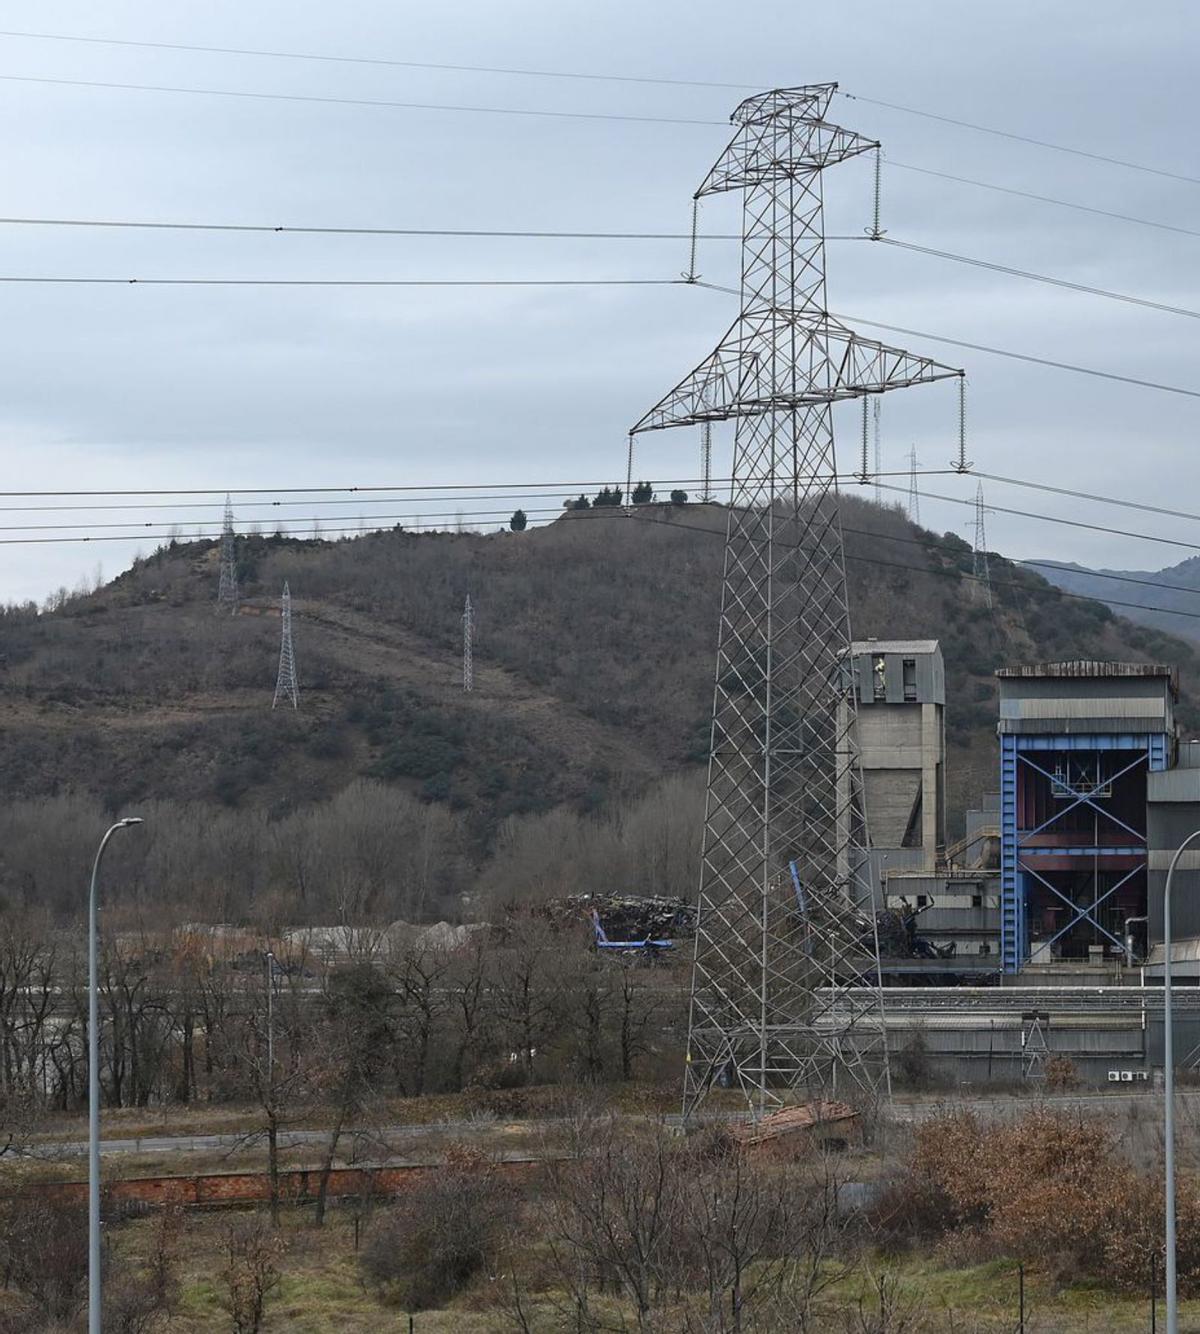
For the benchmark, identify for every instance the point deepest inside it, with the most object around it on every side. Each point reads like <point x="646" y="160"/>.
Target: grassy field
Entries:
<point x="322" y="1292"/>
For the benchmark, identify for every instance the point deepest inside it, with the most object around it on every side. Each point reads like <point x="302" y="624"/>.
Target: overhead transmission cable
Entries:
<point x="533" y="112"/>
<point x="35" y="279"/>
<point x="326" y="58"/>
<point x="583" y="235"/>
<point x="1044" y="199"/>
<point x="522" y="234"/>
<point x="425" y="520"/>
<point x="1067" y="283"/>
<point x="917" y="569"/>
<point x="423" y="523"/>
<point x="1022" y="138"/>
<point x="448" y="491"/>
<point x="1056" y="519"/>
<point x="991" y="351"/>
<point x="582" y="75"/>
<point x="285" y="230"/>
<point x="355" y="489"/>
<point x="595" y="282"/>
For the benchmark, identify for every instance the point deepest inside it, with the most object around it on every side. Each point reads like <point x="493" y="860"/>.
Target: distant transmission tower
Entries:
<point x="914" y="493"/>
<point x="785" y="985"/>
<point x="227" y="589"/>
<point x="468" y="624"/>
<point x="983" y="577"/>
<point x="706" y="494"/>
<point x="286" y="686"/>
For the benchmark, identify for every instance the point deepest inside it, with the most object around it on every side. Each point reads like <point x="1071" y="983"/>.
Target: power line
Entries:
<point x="1025" y="356"/>
<point x="376" y="60"/>
<point x="343" y="282"/>
<point x="535" y="112"/>
<point x="926" y="543"/>
<point x="642" y="514"/>
<point x="524" y="487"/>
<point x="992" y="351"/>
<point x="1023" y="138"/>
<point x="137" y="225"/>
<point x="430" y="492"/>
<point x="524" y="234"/>
<point x="448" y="232"/>
<point x="562" y="497"/>
<point x="1043" y="199"/>
<point x="917" y="569"/>
<point x="994" y="267"/>
<point x="426" y="520"/>
<point x="583" y="75"/>
<point x="1088" y="495"/>
<point x="1059" y="519"/>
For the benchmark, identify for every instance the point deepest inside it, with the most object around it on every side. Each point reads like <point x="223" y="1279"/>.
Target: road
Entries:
<point x="905" y="1112"/>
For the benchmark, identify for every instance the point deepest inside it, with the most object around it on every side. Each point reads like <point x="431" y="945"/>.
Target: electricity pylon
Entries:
<point x="785" y="987"/>
<point x="983" y="576"/>
<point x="286" y="685"/>
<point x="227" y="588"/>
<point x="914" y="491"/>
<point x="468" y="624"/>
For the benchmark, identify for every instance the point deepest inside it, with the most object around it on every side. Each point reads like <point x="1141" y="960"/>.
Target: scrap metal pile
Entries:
<point x="630" y="916"/>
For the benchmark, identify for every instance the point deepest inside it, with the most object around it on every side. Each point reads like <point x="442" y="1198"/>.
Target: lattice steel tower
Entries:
<point x="286" y="685"/>
<point x="227" y="589"/>
<point x="468" y="624"/>
<point x="914" y="491"/>
<point x="983" y="576"/>
<point x="785" y="989"/>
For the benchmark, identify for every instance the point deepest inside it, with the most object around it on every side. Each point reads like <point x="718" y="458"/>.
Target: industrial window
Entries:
<point x="879" y="672"/>
<point x="922" y="900"/>
<point x="976" y="900"/>
<point x="985" y="948"/>
<point x="910" y="680"/>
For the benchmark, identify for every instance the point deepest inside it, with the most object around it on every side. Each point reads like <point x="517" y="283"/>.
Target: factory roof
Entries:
<point x="1088" y="668"/>
<point x="910" y="646"/>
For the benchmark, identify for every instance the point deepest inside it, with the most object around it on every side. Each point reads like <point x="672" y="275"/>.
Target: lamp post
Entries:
<point x="1169" y="1092"/>
<point x="94" y="1089"/>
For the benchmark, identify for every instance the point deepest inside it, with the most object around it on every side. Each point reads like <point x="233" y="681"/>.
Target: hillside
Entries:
<point x="593" y="680"/>
<point x="1167" y="599"/>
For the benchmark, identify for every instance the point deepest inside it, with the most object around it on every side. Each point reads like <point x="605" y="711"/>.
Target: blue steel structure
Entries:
<point x="1073" y="846"/>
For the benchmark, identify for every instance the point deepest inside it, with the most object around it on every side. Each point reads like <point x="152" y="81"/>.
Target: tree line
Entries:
<point x="341" y="1018"/>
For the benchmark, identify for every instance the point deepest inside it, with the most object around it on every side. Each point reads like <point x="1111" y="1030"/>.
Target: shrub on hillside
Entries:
<point x="447" y="1229"/>
<point x="1050" y="1188"/>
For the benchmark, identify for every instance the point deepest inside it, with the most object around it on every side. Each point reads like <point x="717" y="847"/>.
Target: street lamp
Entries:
<point x="94" y="1090"/>
<point x="1169" y="1091"/>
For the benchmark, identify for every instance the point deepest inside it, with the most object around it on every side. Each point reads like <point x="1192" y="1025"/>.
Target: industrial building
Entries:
<point x="899" y="687"/>
<point x="1039" y="932"/>
<point x="1078" y="743"/>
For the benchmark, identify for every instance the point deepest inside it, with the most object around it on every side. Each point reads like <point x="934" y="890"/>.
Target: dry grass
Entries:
<point x="321" y="1292"/>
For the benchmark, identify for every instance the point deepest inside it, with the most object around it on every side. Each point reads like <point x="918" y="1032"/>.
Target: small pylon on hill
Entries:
<point x="286" y="685"/>
<point x="227" y="589"/>
<point x="468" y="623"/>
<point x="983" y="576"/>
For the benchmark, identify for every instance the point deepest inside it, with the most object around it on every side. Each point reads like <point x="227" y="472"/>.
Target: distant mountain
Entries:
<point x="1138" y="595"/>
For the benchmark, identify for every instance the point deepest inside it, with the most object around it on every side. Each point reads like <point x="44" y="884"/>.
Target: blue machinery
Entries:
<point x="647" y="946"/>
<point x="1073" y="851"/>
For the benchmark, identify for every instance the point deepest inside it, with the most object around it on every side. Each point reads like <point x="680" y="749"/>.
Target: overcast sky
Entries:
<point x="254" y="387"/>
